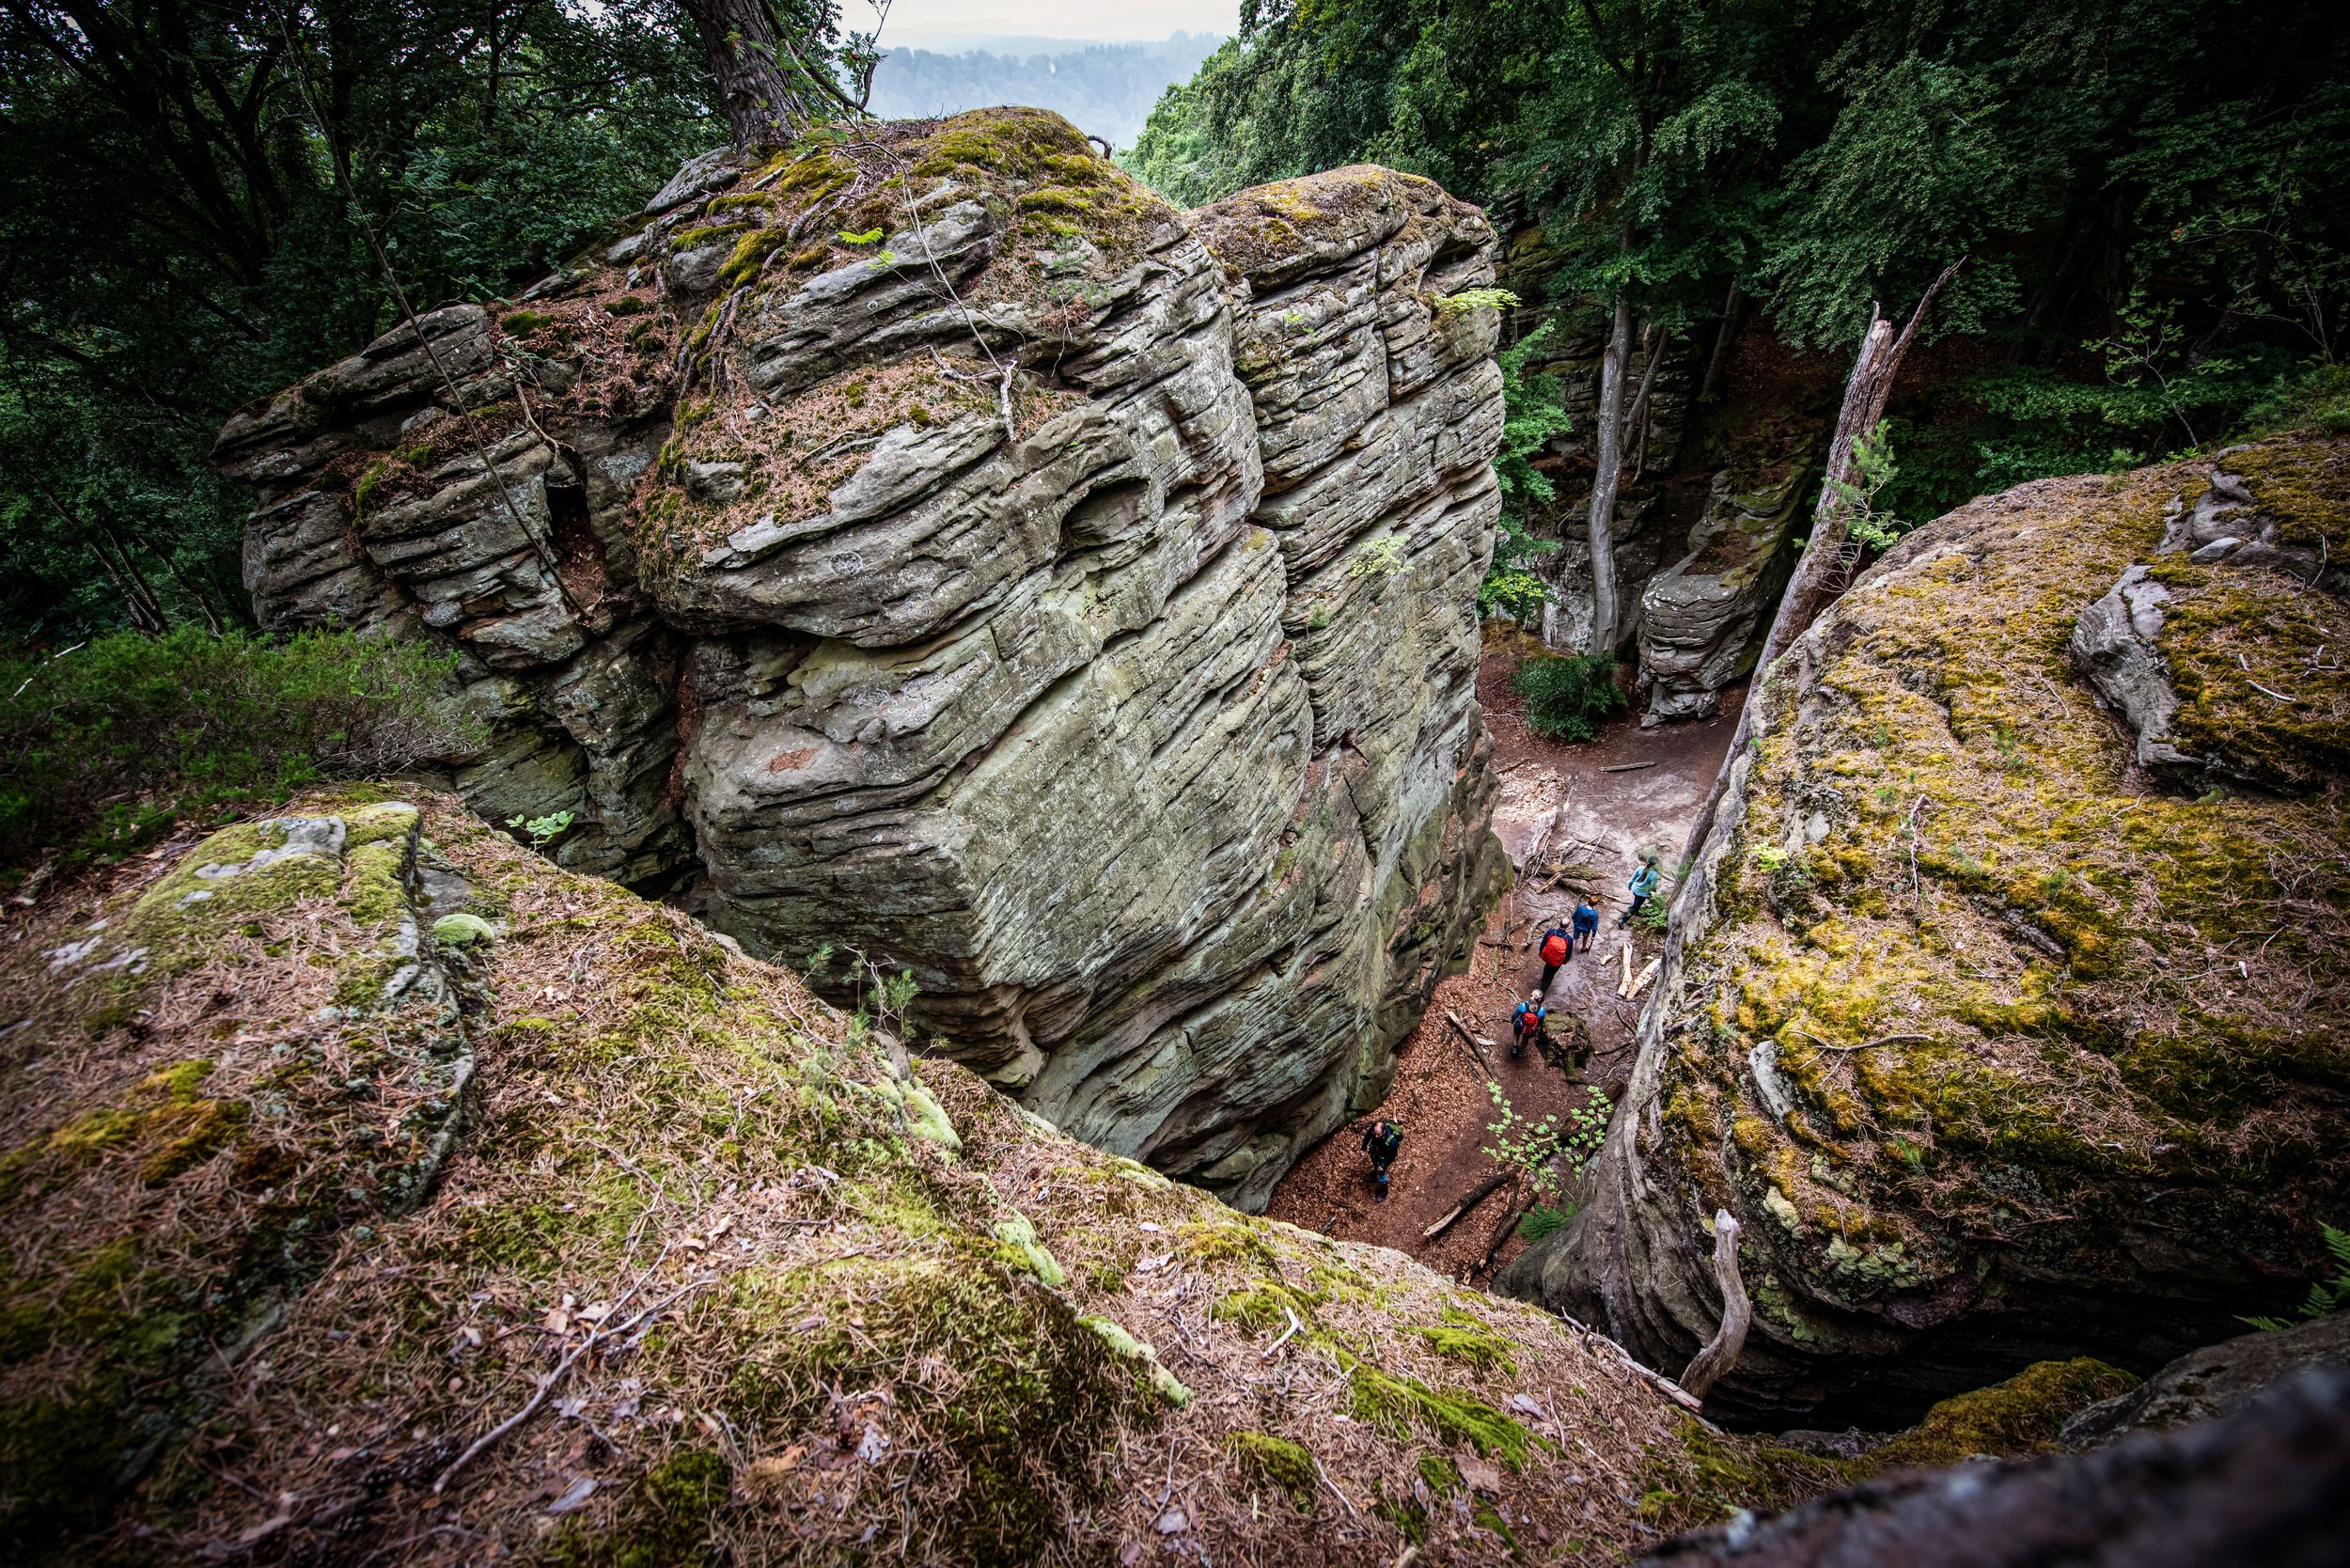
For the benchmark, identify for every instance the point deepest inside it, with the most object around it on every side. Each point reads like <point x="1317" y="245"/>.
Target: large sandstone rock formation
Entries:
<point x="933" y="547"/>
<point x="1701" y="619"/>
<point x="2005" y="1036"/>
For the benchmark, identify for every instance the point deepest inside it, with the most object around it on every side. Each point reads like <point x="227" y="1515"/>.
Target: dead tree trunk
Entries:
<point x="1468" y="1201"/>
<point x="1710" y="1365"/>
<point x="1608" y="456"/>
<point x="1866" y="393"/>
<point x="754" y="72"/>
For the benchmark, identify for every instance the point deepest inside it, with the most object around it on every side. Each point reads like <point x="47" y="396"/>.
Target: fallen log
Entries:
<point x="1626" y="767"/>
<point x="1476" y="1046"/>
<point x="1477" y="1195"/>
<point x="1647" y="974"/>
<point x="1624" y="987"/>
<point x="1713" y="1363"/>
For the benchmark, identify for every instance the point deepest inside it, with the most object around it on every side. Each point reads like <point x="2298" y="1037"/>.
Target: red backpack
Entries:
<point x="1527" y="1021"/>
<point x="1554" y="949"/>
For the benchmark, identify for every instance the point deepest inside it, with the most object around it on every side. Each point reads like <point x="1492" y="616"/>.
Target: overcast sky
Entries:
<point x="1054" y="19"/>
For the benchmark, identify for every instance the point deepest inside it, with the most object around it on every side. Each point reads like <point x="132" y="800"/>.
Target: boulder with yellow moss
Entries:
<point x="2012" y="1027"/>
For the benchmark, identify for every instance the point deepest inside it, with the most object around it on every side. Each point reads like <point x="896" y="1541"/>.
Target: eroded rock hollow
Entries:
<point x="930" y="544"/>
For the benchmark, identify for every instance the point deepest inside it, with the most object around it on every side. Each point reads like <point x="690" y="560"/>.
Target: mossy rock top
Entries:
<point x="608" y="1142"/>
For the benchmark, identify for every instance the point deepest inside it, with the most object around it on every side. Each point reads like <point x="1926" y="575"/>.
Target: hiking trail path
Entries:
<point x="1438" y="1098"/>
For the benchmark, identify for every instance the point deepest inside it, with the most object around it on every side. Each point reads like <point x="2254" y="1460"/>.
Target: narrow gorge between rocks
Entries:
<point x="981" y="752"/>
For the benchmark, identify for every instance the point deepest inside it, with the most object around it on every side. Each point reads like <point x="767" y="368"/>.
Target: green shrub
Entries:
<point x="1567" y="695"/>
<point x="1544" y="1220"/>
<point x="106" y="747"/>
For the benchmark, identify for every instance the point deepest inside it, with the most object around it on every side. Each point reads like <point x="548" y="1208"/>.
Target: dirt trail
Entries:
<point x="1438" y="1097"/>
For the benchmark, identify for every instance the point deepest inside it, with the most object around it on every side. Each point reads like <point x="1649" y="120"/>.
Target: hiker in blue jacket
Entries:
<point x="1586" y="924"/>
<point x="1643" y="885"/>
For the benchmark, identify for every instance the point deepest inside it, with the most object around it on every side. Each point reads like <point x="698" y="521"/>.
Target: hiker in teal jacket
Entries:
<point x="1644" y="884"/>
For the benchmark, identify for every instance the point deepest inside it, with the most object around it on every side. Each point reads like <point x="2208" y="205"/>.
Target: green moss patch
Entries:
<point x="1400" y="1405"/>
<point x="1276" y="1461"/>
<point x="2020" y="1415"/>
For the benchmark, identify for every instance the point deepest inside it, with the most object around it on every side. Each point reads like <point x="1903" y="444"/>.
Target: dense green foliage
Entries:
<point x="1533" y="412"/>
<point x="1105" y="89"/>
<point x="1567" y="695"/>
<point x="2151" y="196"/>
<point x="177" y="237"/>
<point x="105" y="745"/>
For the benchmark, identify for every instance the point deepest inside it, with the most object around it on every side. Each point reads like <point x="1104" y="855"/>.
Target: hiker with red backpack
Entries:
<point x="1526" y="1023"/>
<point x="1558" y="946"/>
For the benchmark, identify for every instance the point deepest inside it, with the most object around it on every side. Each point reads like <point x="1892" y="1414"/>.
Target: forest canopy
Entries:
<point x="181" y="194"/>
<point x="2150" y="193"/>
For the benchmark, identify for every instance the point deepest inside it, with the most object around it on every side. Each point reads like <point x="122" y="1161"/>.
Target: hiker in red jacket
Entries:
<point x="1558" y="946"/>
<point x="1526" y="1023"/>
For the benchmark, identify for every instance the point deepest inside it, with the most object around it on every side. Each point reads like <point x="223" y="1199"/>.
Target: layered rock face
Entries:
<point x="2005" y="1036"/>
<point x="1700" y="617"/>
<point x="938" y="549"/>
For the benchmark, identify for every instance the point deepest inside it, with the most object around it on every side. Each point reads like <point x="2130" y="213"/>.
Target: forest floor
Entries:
<point x="1439" y="1096"/>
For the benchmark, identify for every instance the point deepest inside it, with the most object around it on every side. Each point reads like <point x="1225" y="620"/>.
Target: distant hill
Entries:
<point x="1107" y="90"/>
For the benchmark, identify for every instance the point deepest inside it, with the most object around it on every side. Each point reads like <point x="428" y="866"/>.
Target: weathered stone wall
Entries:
<point x="2005" y="1036"/>
<point x="937" y="547"/>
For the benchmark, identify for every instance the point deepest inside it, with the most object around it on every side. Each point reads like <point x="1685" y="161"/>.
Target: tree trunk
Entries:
<point x="1610" y="474"/>
<point x="1866" y="393"/>
<point x="747" y="65"/>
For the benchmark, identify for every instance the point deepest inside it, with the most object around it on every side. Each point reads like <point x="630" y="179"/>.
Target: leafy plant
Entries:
<point x="2326" y="1296"/>
<point x="1857" y="498"/>
<point x="1477" y="299"/>
<point x="542" y="831"/>
<point x="1538" y="1150"/>
<point x="107" y="745"/>
<point x="1379" y="558"/>
<point x="1544" y="1219"/>
<point x="1533" y="411"/>
<point x="1568" y="694"/>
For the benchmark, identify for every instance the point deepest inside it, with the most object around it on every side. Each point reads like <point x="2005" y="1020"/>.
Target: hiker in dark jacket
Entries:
<point x="1525" y="1023"/>
<point x="1558" y="946"/>
<point x="1380" y="1142"/>
<point x="1586" y="924"/>
<point x="1643" y="885"/>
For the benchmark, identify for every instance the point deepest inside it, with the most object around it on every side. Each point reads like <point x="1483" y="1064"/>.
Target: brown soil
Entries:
<point x="1439" y="1098"/>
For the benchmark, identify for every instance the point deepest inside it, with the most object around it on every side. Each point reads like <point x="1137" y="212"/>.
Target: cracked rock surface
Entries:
<point x="1064" y="599"/>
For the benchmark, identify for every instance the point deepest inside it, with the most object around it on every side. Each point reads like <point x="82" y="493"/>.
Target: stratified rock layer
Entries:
<point x="2001" y="1046"/>
<point x="965" y="560"/>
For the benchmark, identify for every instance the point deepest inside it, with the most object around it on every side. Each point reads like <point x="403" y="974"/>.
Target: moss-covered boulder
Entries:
<point x="597" y="1242"/>
<point x="2005" y="1041"/>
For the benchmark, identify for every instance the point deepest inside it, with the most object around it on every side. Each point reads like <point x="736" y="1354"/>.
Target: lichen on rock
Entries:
<point x="1993" y="1029"/>
<point x="926" y="543"/>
